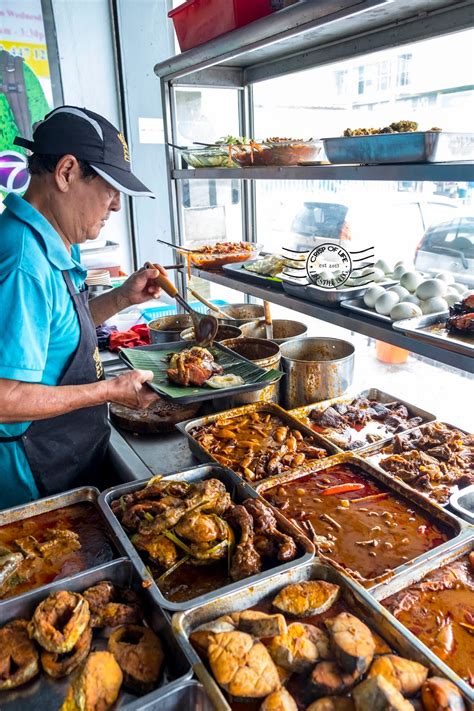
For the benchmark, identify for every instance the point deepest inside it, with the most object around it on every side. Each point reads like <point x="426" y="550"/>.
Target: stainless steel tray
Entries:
<point x="238" y="271"/>
<point x="411" y="147"/>
<point x="359" y="307"/>
<point x="204" y="456"/>
<point x="462" y="502"/>
<point x="328" y="297"/>
<point x="414" y="575"/>
<point x="59" y="501"/>
<point x="301" y="413"/>
<point x="358" y="600"/>
<point x="185" y="696"/>
<point x="47" y="693"/>
<point x="394" y="486"/>
<point x="431" y="328"/>
<point x="239" y="491"/>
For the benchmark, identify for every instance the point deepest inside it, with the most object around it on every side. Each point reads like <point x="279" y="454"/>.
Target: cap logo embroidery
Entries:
<point x="126" y="152"/>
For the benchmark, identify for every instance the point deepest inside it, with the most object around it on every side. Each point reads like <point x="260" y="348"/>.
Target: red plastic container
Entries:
<point x="197" y="21"/>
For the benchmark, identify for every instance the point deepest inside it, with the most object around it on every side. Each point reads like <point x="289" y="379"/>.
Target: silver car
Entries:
<point x="449" y="246"/>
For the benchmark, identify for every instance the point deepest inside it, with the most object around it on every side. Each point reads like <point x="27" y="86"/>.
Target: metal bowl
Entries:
<point x="239" y="313"/>
<point x="224" y="332"/>
<point x="283" y="330"/>
<point x="264" y="353"/>
<point x="167" y="328"/>
<point x="316" y="369"/>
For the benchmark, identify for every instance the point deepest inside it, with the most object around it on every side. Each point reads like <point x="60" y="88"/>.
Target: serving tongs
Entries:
<point x="205" y="327"/>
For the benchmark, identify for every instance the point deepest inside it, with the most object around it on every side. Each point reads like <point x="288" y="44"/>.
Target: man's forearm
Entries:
<point x="108" y="304"/>
<point x="23" y="402"/>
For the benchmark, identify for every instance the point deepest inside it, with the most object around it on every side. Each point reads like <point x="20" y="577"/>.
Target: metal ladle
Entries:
<point x="205" y="327"/>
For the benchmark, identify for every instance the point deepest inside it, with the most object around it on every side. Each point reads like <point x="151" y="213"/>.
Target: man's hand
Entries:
<point x="130" y="390"/>
<point x="141" y="285"/>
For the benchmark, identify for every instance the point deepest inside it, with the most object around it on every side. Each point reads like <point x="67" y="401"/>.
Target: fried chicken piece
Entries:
<point x="193" y="366"/>
<point x="267" y="535"/>
<point x="140" y="655"/>
<point x="242" y="665"/>
<point x="406" y="676"/>
<point x="18" y="655"/>
<point x="156" y="488"/>
<point x="59" y="665"/>
<point x="200" y="528"/>
<point x="133" y="516"/>
<point x="160" y="549"/>
<point x="246" y="561"/>
<point x="98" y="685"/>
<point x="110" y="606"/>
<point x="311" y="597"/>
<point x="59" y="621"/>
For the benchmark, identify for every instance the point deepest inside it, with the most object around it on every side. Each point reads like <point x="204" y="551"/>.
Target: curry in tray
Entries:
<point x="304" y="649"/>
<point x="356" y="523"/>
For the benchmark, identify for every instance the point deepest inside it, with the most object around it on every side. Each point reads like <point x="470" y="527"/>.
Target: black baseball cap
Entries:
<point x="89" y="137"/>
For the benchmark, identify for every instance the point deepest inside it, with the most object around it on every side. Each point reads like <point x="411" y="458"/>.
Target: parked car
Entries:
<point x="449" y="246"/>
<point x="392" y="223"/>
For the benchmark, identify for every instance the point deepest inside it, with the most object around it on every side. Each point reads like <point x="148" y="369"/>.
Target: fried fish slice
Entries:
<point x="351" y="642"/>
<point x="298" y="649"/>
<point x="59" y="621"/>
<point x="377" y="694"/>
<point x="242" y="665"/>
<point x="406" y="676"/>
<point x="327" y="678"/>
<point x="18" y="655"/>
<point x="438" y="694"/>
<point x="332" y="703"/>
<point x="311" y="597"/>
<point x="97" y="686"/>
<point x="259" y="624"/>
<point x="59" y="665"/>
<point x="140" y="655"/>
<point x="280" y="700"/>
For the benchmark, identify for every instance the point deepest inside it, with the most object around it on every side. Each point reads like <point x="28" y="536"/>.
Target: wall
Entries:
<point x="85" y="39"/>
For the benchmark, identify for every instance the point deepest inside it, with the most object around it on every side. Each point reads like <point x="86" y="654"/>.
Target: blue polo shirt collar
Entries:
<point x="55" y="248"/>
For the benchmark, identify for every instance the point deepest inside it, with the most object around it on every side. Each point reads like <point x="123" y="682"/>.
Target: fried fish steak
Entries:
<point x="97" y="687"/>
<point x="18" y="655"/>
<point x="140" y="655"/>
<point x="311" y="597"/>
<point x="59" y="621"/>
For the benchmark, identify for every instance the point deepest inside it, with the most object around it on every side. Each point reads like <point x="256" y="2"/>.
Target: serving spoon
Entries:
<point x="205" y="326"/>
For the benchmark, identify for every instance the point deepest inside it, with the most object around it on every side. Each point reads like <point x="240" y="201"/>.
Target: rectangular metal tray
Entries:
<point x="238" y="271"/>
<point x="187" y="696"/>
<point x="239" y="492"/>
<point x="370" y="394"/>
<point x="52" y="503"/>
<point x="422" y="328"/>
<point x="206" y="393"/>
<point x="329" y="297"/>
<point x="462" y="503"/>
<point x="414" y="575"/>
<point x="204" y="456"/>
<point x="410" y="147"/>
<point x="394" y="486"/>
<point x="359" y="601"/>
<point x="359" y="307"/>
<point x="47" y="693"/>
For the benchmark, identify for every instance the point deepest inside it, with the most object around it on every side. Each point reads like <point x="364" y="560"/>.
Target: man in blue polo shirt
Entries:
<point x="53" y="413"/>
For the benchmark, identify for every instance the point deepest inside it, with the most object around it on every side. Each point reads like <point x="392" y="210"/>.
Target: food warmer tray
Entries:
<point x="48" y="693"/>
<point x="260" y="376"/>
<point x="409" y="147"/>
<point x="413" y="497"/>
<point x="239" y="491"/>
<point x="462" y="502"/>
<point x="181" y="697"/>
<point x="271" y="407"/>
<point x="431" y="328"/>
<point x="329" y="297"/>
<point x="59" y="501"/>
<point x="413" y="575"/>
<point x="238" y="271"/>
<point x="359" y="601"/>
<point x="371" y="394"/>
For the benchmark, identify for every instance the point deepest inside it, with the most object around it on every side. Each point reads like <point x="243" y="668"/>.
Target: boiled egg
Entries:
<point x="431" y="288"/>
<point x="382" y="264"/>
<point x="400" y="269"/>
<point x="372" y="294"/>
<point x="399" y="290"/>
<point x="386" y="302"/>
<point x="405" y="310"/>
<point x="434" y="305"/>
<point x="411" y="280"/>
<point x="411" y="299"/>
<point x="445" y="276"/>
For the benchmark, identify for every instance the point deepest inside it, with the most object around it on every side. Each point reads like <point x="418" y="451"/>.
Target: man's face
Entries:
<point x="93" y="201"/>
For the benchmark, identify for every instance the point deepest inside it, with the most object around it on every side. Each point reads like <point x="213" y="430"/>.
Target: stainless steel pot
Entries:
<point x="240" y="313"/>
<point x="167" y="328"/>
<point x="316" y="369"/>
<point x="264" y="353"/>
<point x="283" y="330"/>
<point x="224" y="332"/>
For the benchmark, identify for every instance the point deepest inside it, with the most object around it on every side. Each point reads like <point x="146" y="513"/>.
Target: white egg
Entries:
<point x="378" y="275"/>
<point x="397" y="264"/>
<point x="404" y="310"/>
<point x="411" y="280"/>
<point x="411" y="299"/>
<point x="400" y="269"/>
<point x="445" y="276"/>
<point x="460" y="288"/>
<point x="430" y="288"/>
<point x="386" y="302"/>
<point x="382" y="264"/>
<point x="434" y="305"/>
<point x="372" y="294"/>
<point x="400" y="291"/>
<point x="452" y="297"/>
<point x="325" y="278"/>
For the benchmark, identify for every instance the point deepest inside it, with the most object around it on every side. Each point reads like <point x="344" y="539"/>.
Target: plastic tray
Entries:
<point x="150" y="314"/>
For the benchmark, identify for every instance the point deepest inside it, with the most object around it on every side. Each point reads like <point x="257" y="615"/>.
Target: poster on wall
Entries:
<point x="25" y="86"/>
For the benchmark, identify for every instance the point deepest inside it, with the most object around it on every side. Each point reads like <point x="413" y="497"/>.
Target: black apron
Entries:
<point x="68" y="451"/>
